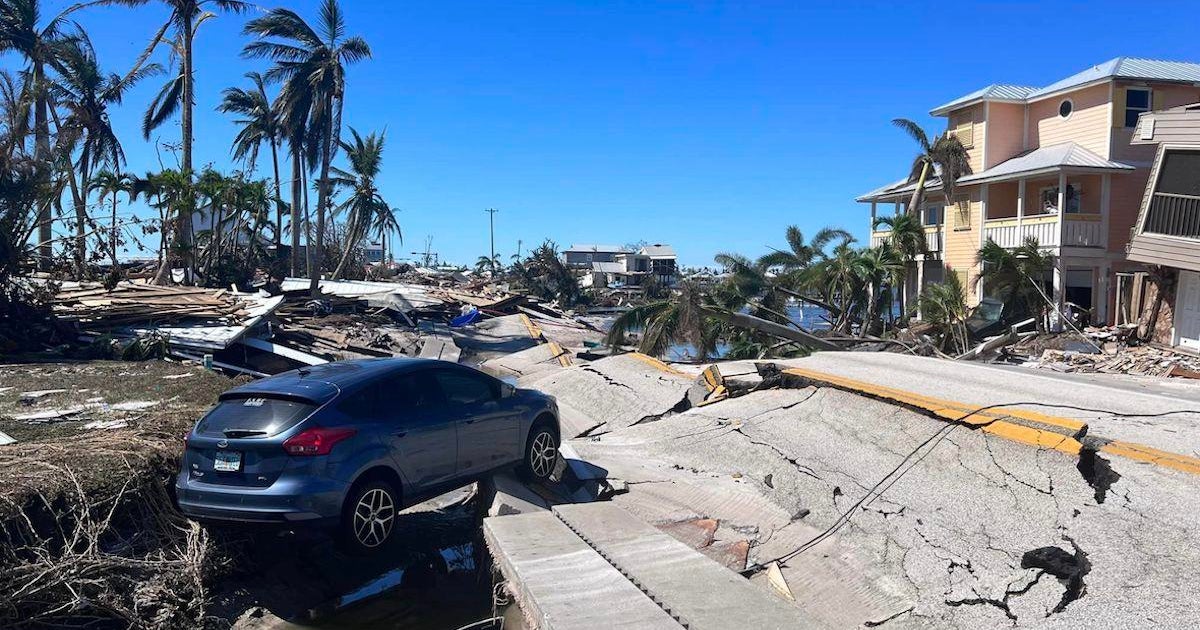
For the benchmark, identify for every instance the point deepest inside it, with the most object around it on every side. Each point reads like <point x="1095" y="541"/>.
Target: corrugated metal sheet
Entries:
<point x="589" y="248"/>
<point x="1066" y="155"/>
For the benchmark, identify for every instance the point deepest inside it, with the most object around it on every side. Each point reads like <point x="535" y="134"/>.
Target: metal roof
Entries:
<point x="993" y="92"/>
<point x="1051" y="158"/>
<point x="658" y="250"/>
<point x="1118" y="68"/>
<point x="595" y="248"/>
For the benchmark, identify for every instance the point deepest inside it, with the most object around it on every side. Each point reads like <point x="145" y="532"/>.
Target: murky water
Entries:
<point x="435" y="576"/>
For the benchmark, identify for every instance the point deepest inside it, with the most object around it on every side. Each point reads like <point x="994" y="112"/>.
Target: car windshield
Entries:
<point x="988" y="311"/>
<point x="253" y="417"/>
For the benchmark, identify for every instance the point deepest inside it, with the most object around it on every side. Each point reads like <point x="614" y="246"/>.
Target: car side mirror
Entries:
<point x="507" y="391"/>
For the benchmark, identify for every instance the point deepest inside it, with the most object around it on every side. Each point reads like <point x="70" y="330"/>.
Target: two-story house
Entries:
<point x="1167" y="231"/>
<point x="1054" y="163"/>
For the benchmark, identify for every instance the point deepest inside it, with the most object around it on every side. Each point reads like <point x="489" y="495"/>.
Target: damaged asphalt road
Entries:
<point x="980" y="532"/>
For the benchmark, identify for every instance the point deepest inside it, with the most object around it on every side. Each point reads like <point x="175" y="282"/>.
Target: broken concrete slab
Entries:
<point x="561" y="583"/>
<point x="613" y="392"/>
<point x="495" y="337"/>
<point x="540" y="358"/>
<point x="699" y="592"/>
<point x="504" y="495"/>
<point x="441" y="349"/>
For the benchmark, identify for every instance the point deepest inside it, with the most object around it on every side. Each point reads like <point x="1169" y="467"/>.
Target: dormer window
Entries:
<point x="1137" y="101"/>
<point x="1065" y="108"/>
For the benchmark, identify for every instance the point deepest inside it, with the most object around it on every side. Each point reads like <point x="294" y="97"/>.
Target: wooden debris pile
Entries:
<point x="94" y="307"/>
<point x="1138" y="360"/>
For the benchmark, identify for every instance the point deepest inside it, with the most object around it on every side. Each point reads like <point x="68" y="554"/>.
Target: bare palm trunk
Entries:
<point x="308" y="229"/>
<point x="41" y="130"/>
<point x="278" y="197"/>
<point x="113" y="232"/>
<point x="322" y="197"/>
<point x="297" y="187"/>
<point x="184" y="217"/>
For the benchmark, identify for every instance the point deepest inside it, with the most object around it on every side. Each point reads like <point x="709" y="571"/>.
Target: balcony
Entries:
<point x="1173" y="215"/>
<point x="1082" y="230"/>
<point x="933" y="238"/>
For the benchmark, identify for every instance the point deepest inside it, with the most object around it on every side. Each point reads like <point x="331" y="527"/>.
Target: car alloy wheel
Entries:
<point x="373" y="517"/>
<point x="543" y="455"/>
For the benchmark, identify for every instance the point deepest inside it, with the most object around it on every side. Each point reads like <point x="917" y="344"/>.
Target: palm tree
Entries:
<point x="907" y="237"/>
<point x="178" y="94"/>
<point x="364" y="203"/>
<point x="1016" y="274"/>
<point x="799" y="265"/>
<point x="383" y="224"/>
<point x="874" y="267"/>
<point x="85" y="94"/>
<point x="945" y="155"/>
<point x="683" y="318"/>
<point x="106" y="183"/>
<point x="838" y="281"/>
<point x="259" y="123"/>
<point x="483" y="263"/>
<point x="21" y="31"/>
<point x="311" y="64"/>
<point x="944" y="307"/>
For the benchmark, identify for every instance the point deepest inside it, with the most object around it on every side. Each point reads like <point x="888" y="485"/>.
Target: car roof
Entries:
<point x="322" y="383"/>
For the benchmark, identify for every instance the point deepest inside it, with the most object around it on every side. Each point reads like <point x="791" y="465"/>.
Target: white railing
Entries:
<point x="1083" y="230"/>
<point x="933" y="239"/>
<point x="1009" y="233"/>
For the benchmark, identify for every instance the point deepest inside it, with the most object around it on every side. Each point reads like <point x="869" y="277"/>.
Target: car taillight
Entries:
<point x="315" y="441"/>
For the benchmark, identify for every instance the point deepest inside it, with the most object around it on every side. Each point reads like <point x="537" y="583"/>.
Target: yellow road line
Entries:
<point x="1062" y="435"/>
<point x="533" y="329"/>
<point x="655" y="363"/>
<point x="556" y="350"/>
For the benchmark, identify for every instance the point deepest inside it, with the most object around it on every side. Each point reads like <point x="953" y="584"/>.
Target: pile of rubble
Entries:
<point x="1137" y="360"/>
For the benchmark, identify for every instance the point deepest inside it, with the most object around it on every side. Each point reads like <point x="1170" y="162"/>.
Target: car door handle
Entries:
<point x="400" y="433"/>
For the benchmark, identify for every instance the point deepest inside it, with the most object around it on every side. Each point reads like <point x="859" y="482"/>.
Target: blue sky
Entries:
<point x="710" y="126"/>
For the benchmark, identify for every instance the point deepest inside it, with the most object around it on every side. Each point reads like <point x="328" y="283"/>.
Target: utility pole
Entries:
<point x="492" y="232"/>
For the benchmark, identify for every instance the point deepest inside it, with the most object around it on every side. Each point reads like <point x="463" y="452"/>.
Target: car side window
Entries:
<point x="410" y="392"/>
<point x="464" y="388"/>
<point x="362" y="404"/>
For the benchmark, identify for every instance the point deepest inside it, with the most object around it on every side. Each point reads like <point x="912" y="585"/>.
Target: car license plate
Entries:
<point x="227" y="461"/>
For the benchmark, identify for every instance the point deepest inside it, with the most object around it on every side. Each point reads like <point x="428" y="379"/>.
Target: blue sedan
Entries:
<point x="351" y="443"/>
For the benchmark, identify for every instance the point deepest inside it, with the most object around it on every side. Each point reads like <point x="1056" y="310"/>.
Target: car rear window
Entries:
<point x="253" y="417"/>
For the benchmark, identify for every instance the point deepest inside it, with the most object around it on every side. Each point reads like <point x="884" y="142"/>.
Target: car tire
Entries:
<point x="369" y="520"/>
<point x="541" y="454"/>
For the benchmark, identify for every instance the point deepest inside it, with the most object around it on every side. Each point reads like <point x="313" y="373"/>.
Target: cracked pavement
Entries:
<point x="980" y="532"/>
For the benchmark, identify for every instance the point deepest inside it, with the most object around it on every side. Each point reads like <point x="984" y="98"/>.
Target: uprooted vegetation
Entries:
<point x="88" y="533"/>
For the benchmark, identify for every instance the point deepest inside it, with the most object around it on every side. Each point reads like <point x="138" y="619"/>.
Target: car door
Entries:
<point x="488" y="432"/>
<point x="419" y="429"/>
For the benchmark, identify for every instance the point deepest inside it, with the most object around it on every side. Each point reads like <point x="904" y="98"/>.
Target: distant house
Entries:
<point x="373" y="252"/>
<point x="584" y="255"/>
<point x="633" y="268"/>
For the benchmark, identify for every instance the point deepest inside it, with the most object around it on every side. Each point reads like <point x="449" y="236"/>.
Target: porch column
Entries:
<point x="1062" y="208"/>
<point x="983" y="217"/>
<point x="1020" y="205"/>
<point x="920" y="287"/>
<point x="898" y="210"/>
<point x="1060" y="291"/>
<point x="1105" y="203"/>
<point x="1101" y="291"/>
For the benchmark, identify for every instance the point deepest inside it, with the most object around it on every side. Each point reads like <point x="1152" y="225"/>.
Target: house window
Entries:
<point x="1137" y="101"/>
<point x="1049" y="197"/>
<point x="1065" y="108"/>
<point x="933" y="215"/>
<point x="963" y="210"/>
<point x="1179" y="174"/>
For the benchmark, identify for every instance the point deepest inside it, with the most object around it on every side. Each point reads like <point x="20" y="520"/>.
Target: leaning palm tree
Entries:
<point x="23" y="32"/>
<point x="797" y="266"/>
<point x="364" y="202"/>
<point x="1016" y="274"/>
<point x="907" y="237"/>
<point x="311" y="65"/>
<point x="259" y="123"/>
<point x="684" y="318"/>
<point x="945" y="155"/>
